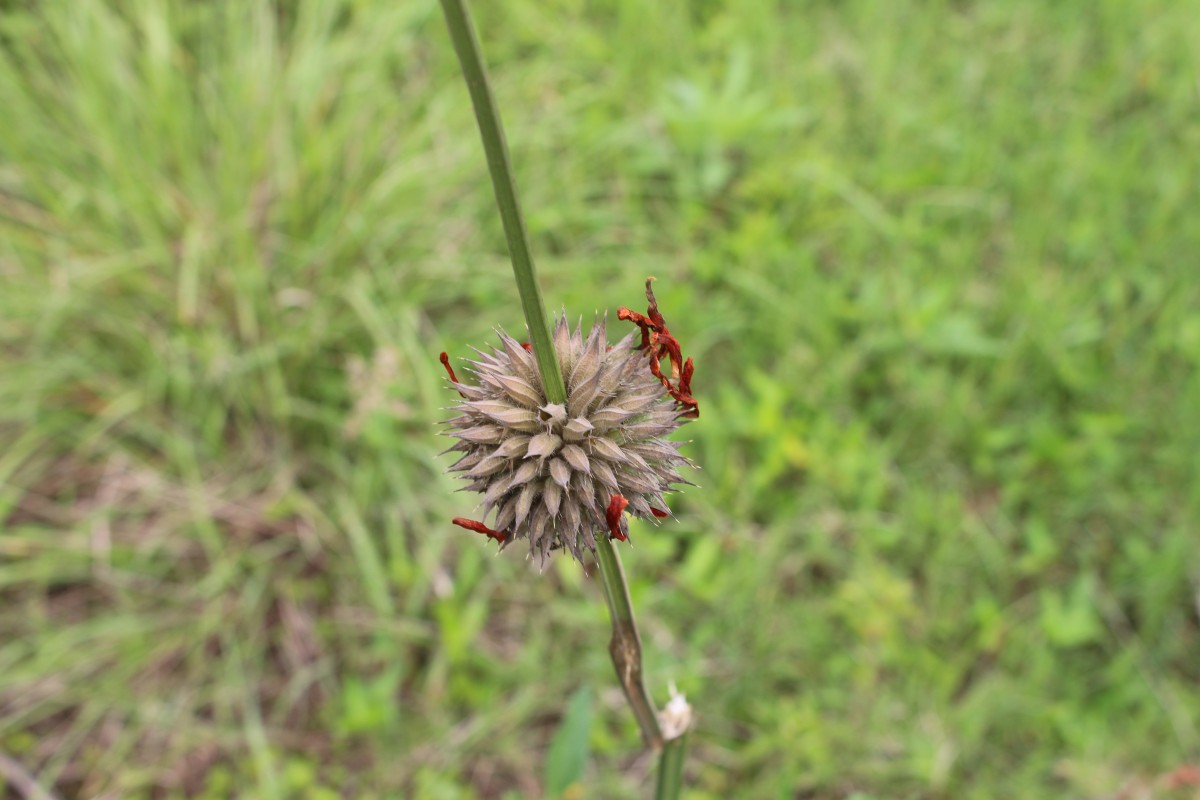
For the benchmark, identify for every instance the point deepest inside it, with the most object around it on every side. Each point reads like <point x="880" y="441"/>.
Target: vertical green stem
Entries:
<point x="625" y="647"/>
<point x="491" y="130"/>
<point x="670" y="769"/>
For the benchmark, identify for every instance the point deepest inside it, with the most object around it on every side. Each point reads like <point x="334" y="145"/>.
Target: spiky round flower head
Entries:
<point x="561" y="474"/>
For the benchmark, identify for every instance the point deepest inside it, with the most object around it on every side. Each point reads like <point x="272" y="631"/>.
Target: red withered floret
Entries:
<point x="445" y="359"/>
<point x="616" y="507"/>
<point x="658" y="341"/>
<point x="479" y="527"/>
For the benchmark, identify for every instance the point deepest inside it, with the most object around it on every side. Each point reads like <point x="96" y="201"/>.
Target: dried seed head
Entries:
<point x="551" y="473"/>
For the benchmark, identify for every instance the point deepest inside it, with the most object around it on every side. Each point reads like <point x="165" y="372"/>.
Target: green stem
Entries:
<point x="625" y="647"/>
<point x="491" y="130"/>
<point x="670" y="769"/>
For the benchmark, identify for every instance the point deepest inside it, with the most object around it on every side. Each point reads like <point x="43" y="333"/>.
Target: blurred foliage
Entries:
<point x="935" y="262"/>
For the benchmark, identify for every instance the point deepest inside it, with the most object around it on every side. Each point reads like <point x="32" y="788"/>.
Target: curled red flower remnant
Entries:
<point x="659" y="342"/>
<point x="445" y="359"/>
<point x="616" y="525"/>
<point x="479" y="527"/>
<point x="660" y="514"/>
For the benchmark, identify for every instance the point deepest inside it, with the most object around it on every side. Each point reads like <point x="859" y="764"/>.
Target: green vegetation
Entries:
<point x="937" y="265"/>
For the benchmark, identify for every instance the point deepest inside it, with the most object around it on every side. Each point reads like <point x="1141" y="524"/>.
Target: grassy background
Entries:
<point x="937" y="264"/>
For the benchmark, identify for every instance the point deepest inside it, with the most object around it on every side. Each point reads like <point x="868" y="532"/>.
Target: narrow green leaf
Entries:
<point x="569" y="749"/>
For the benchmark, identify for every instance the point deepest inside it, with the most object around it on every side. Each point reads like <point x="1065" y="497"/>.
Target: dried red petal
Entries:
<point x="640" y="320"/>
<point x="658" y="513"/>
<point x="653" y="311"/>
<point x="616" y="507"/>
<point x="445" y="359"/>
<point x="685" y="379"/>
<point x="668" y="345"/>
<point x="659" y="342"/>
<point x="479" y="527"/>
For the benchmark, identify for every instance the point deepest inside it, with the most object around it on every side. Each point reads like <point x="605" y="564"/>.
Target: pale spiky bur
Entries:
<point x="556" y="474"/>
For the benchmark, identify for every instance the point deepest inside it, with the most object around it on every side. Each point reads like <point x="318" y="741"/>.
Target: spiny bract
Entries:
<point x="550" y="471"/>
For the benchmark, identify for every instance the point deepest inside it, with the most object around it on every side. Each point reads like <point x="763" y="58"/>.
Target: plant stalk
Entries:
<point x="495" y="147"/>
<point x="670" y="768"/>
<point x="625" y="647"/>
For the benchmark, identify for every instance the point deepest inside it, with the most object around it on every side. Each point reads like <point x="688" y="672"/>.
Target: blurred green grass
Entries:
<point x="936" y="263"/>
